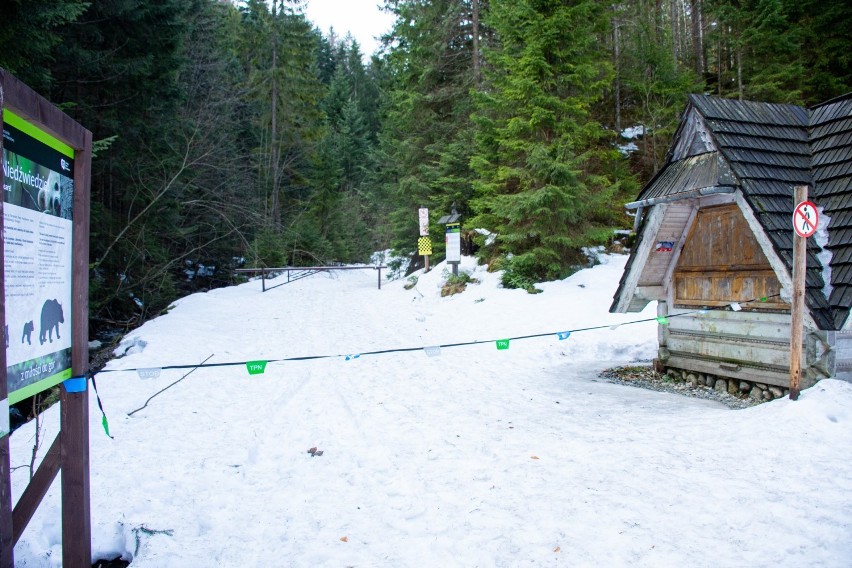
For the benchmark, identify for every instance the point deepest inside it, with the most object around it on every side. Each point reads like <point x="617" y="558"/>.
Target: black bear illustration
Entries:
<point x="51" y="316"/>
<point x="49" y="201"/>
<point x="28" y="330"/>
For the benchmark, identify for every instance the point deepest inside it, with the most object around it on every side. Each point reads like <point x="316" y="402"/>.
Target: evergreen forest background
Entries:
<point x="238" y="134"/>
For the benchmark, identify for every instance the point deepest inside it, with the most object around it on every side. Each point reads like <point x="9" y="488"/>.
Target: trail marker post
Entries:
<point x="805" y="221"/>
<point x="424" y="244"/>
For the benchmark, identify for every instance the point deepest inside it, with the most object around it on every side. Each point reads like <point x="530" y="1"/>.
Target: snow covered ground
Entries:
<point x="474" y="457"/>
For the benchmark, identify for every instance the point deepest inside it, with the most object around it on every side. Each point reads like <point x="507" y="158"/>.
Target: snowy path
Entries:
<point x="478" y="457"/>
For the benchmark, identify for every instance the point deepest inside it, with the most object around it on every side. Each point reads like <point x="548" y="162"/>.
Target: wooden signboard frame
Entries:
<point x="70" y="451"/>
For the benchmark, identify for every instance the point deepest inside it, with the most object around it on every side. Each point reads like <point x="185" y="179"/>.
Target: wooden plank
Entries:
<point x="714" y="200"/>
<point x="731" y="349"/>
<point x="74" y="410"/>
<point x="685" y="230"/>
<point x="662" y="330"/>
<point x="798" y="302"/>
<point x="7" y="559"/>
<point x="26" y="506"/>
<point x="766" y="376"/>
<point x="28" y="104"/>
<point x="655" y="269"/>
<point x="651" y="293"/>
<point x="626" y="300"/>
<point x="844" y="349"/>
<point x="76" y="516"/>
<point x="751" y="324"/>
<point x="718" y="288"/>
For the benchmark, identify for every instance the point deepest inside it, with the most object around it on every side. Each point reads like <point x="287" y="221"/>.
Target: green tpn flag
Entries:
<point x="256" y="367"/>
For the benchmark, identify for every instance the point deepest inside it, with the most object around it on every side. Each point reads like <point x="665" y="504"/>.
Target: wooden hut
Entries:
<point x="714" y="231"/>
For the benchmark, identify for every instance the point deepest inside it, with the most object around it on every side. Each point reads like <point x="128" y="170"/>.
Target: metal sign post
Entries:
<point x="805" y="220"/>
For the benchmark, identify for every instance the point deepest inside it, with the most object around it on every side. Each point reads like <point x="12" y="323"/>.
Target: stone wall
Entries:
<point x="735" y="387"/>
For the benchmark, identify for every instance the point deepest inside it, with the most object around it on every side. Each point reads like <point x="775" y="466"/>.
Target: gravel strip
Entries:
<point x="645" y="377"/>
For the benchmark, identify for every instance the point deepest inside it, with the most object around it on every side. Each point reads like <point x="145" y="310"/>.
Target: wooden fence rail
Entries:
<point x="298" y="272"/>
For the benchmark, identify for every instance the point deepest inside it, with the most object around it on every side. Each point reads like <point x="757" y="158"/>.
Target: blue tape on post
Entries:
<point x="75" y="384"/>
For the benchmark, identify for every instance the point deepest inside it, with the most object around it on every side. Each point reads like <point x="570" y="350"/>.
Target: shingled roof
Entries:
<point x="769" y="149"/>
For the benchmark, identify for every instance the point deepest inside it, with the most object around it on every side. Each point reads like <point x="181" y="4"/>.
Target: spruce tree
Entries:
<point x="549" y="180"/>
<point x="427" y="132"/>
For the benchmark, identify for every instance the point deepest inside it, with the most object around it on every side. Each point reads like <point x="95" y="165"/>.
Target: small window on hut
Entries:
<point x="721" y="263"/>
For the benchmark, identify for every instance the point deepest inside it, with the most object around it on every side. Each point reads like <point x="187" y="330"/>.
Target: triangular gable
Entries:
<point x="722" y="262"/>
<point x="693" y="137"/>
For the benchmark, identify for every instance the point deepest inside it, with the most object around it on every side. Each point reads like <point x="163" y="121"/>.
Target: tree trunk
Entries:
<point x="675" y="30"/>
<point x="697" y="36"/>
<point x="740" y="71"/>
<point x="617" y="55"/>
<point x="275" y="205"/>
<point x="477" y="71"/>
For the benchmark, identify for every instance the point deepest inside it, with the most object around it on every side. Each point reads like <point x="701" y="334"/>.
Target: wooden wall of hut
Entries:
<point x="721" y="263"/>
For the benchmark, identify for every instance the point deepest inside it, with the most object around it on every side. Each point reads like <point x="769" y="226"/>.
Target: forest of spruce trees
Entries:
<point x="236" y="132"/>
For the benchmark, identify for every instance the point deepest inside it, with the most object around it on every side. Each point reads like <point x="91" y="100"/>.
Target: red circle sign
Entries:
<point x="805" y="219"/>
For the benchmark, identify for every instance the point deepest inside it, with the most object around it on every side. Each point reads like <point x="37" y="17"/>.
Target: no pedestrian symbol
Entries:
<point x="805" y="219"/>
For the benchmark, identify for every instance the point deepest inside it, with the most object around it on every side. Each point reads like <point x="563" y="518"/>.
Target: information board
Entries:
<point x="423" y="218"/>
<point x="452" y="236"/>
<point x="38" y="197"/>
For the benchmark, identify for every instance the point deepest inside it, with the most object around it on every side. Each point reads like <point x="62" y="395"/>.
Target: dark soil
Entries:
<point x="117" y="563"/>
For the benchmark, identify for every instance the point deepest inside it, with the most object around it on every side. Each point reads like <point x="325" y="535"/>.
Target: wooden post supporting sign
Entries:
<point x="805" y="220"/>
<point x="7" y="559"/>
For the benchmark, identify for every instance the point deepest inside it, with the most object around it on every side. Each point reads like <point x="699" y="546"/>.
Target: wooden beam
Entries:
<point x="31" y="106"/>
<point x="74" y="412"/>
<point x="667" y="279"/>
<point x="26" y="506"/>
<point x="650" y="293"/>
<point x="714" y="200"/>
<point x="7" y="559"/>
<point x="800" y="244"/>
<point x="649" y="233"/>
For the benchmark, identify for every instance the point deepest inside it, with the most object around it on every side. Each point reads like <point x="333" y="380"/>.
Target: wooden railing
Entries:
<point x="298" y="272"/>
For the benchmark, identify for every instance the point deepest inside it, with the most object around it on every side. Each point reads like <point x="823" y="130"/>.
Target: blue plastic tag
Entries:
<point x="75" y="384"/>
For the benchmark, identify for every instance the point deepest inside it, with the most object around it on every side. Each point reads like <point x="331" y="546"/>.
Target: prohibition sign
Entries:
<point x="805" y="219"/>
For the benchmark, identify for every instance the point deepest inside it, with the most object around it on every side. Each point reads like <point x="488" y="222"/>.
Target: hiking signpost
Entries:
<point x="805" y="221"/>
<point x="424" y="244"/>
<point x="44" y="256"/>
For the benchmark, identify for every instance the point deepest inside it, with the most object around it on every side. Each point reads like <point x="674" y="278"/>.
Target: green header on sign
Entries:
<point x="27" y="128"/>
